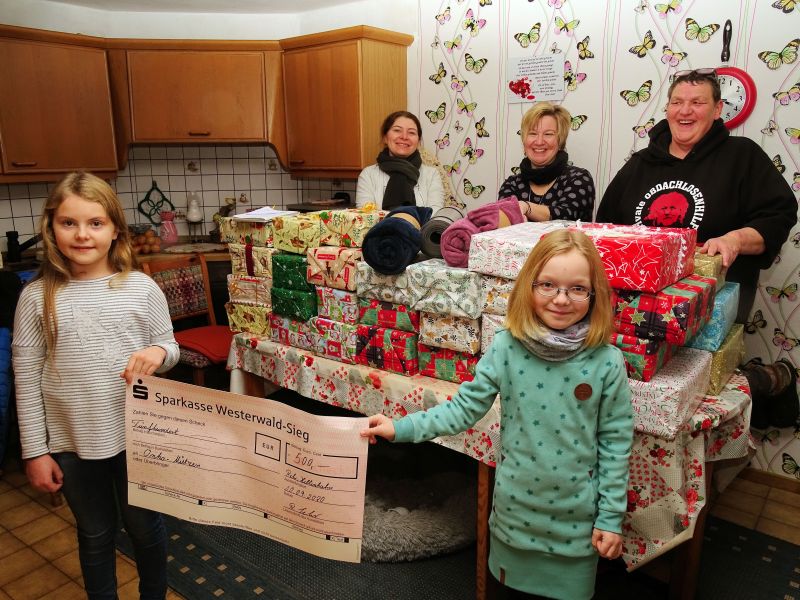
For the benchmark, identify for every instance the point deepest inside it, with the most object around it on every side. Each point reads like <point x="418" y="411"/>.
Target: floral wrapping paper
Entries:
<point x="495" y="292"/>
<point x="337" y="305"/>
<point x="294" y="303"/>
<point x="662" y="405"/>
<point x="243" y="289"/>
<point x="347" y="227"/>
<point x="643" y="258"/>
<point x="674" y="314"/>
<point x="247" y="259"/>
<point x="389" y="288"/>
<point x="387" y="314"/>
<point x="446" y="364"/>
<point x="289" y="272"/>
<point x="643" y="357"/>
<point x="489" y="325"/>
<point x="334" y="339"/>
<point x="333" y="267"/>
<point x="727" y="359"/>
<point x="233" y="231"/>
<point x="248" y="318"/>
<point x="710" y="266"/>
<point x="291" y="332"/>
<point x="387" y="349"/>
<point x="723" y="315"/>
<point x="666" y="488"/>
<point x="296" y="233"/>
<point x="502" y="252"/>
<point x="445" y="290"/>
<point x="456" y="333"/>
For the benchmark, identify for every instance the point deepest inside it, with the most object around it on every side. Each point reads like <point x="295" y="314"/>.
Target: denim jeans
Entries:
<point x="94" y="490"/>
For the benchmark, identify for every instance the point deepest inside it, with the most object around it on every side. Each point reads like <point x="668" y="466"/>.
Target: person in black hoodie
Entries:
<point x="695" y="174"/>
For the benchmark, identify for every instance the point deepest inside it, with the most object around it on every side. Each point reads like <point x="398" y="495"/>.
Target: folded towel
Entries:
<point x="433" y="229"/>
<point x="393" y="244"/>
<point x="457" y="237"/>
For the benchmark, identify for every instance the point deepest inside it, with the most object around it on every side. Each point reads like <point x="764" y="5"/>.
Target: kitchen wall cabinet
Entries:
<point x="196" y="96"/>
<point x="55" y="110"/>
<point x="338" y="87"/>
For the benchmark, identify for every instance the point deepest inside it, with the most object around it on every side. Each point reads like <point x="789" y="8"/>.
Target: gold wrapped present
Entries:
<point x="725" y="360"/>
<point x="710" y="266"/>
<point x="347" y="227"/>
<point x="296" y="233"/>
<point x="234" y="231"/>
<point x="333" y="267"/>
<point x="248" y="317"/>
<point x="247" y="259"/>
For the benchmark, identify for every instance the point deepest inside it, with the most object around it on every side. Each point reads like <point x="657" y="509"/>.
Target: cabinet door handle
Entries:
<point x="15" y="163"/>
<point x="200" y="133"/>
<point x="297" y="162"/>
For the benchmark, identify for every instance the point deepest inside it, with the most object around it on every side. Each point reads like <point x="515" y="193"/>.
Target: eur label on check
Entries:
<point x="219" y="458"/>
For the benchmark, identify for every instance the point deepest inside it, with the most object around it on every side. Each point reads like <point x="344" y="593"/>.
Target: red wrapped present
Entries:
<point x="643" y="258"/>
<point x="675" y="314"/>
<point x="387" y="349"/>
<point x="446" y="364"/>
<point x="643" y="358"/>
<point x="387" y="314"/>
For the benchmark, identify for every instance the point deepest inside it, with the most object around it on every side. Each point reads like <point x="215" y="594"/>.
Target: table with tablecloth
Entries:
<point x="667" y="487"/>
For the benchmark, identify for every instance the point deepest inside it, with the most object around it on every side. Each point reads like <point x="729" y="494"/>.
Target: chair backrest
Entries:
<point x="184" y="281"/>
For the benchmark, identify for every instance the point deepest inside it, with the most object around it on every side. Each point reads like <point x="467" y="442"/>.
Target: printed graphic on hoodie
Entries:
<point x="672" y="203"/>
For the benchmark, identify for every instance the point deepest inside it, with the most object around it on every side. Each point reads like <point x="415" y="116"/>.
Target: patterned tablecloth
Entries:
<point x="666" y="491"/>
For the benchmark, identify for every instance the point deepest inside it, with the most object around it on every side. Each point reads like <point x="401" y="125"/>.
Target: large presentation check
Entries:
<point x="219" y="458"/>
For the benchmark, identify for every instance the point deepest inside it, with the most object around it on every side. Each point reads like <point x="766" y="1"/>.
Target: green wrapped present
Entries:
<point x="294" y="303"/>
<point x="446" y="364"/>
<point x="289" y="272"/>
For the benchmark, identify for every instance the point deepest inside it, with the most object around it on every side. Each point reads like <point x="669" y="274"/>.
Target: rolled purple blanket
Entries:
<point x="455" y="242"/>
<point x="457" y="237"/>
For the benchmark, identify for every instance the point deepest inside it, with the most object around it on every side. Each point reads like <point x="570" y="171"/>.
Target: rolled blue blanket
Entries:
<point x="432" y="230"/>
<point x="393" y="244"/>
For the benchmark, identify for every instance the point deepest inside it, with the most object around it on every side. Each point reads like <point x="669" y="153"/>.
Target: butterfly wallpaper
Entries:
<point x="618" y="58"/>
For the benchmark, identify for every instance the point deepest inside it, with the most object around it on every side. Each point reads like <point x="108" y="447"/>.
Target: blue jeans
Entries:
<point x="95" y="490"/>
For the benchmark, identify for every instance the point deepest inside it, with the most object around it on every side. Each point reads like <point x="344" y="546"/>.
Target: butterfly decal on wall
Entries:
<point x="787" y="56"/>
<point x="472" y="24"/>
<point x="526" y="39"/>
<point x="796" y="236"/>
<point x="444" y="16"/>
<point x="576" y="122"/>
<point x="458" y="126"/>
<point x="480" y="128"/>
<point x="642" y="130"/>
<point x="435" y="42"/>
<point x="772" y="436"/>
<point x="462" y="107"/>
<point x="789" y="292"/>
<point x="790" y="95"/>
<point x="641" y="7"/>
<point x="572" y="79"/>
<point x="672" y="58"/>
<point x="782" y="341"/>
<point x="787" y="6"/>
<point x="485" y="2"/>
<point x="778" y="162"/>
<point x="556" y="3"/>
<point x="796" y="182"/>
<point x="473" y="154"/>
<point x="702" y="34"/>
<point x="437" y="114"/>
<point x="648" y="43"/>
<point x="641" y="95"/>
<point x="443" y="142"/>
<point x="790" y="466"/>
<point x="473" y="190"/>
<point x="453" y="44"/>
<point x="672" y="6"/>
<point x="454" y="168"/>
<point x="771" y="128"/>
<point x="474" y="64"/>
<point x="794" y="134"/>
<point x="583" y="49"/>
<point x="456" y="83"/>
<point x="566" y="27"/>
<point x="554" y="48"/>
<point x="440" y="74"/>
<point x="758" y="322"/>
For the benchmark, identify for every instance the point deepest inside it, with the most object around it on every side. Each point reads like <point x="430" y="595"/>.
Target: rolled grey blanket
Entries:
<point x="432" y="230"/>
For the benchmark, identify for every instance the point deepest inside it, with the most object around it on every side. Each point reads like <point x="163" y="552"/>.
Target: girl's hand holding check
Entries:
<point x="379" y="425"/>
<point x="143" y="362"/>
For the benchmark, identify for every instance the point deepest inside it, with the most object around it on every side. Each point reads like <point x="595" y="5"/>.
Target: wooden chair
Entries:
<point x="184" y="281"/>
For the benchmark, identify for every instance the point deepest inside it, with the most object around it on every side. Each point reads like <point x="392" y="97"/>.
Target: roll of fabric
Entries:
<point x="393" y="244"/>
<point x="433" y="229"/>
<point x="457" y="237"/>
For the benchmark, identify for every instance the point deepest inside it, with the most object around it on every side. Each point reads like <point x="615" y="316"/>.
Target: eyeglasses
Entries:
<point x="708" y="73"/>
<point x="576" y="293"/>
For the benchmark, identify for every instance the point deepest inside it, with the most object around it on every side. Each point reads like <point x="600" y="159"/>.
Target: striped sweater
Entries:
<point x="75" y="401"/>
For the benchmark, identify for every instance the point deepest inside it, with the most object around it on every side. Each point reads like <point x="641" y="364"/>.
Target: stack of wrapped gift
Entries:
<point x="495" y="292"/>
<point x="449" y="301"/>
<point x="292" y="295"/>
<point x="250" y="303"/>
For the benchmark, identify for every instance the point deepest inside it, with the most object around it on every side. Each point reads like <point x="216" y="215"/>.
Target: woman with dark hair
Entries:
<point x="399" y="178"/>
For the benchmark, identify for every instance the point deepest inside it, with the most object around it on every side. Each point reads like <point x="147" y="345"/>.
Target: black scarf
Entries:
<point x="545" y="174"/>
<point x="403" y="175"/>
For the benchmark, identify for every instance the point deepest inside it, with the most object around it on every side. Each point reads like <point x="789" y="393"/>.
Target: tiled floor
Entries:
<point x="39" y="547"/>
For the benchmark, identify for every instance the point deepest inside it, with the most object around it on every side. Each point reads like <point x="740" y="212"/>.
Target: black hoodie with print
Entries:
<point x="724" y="183"/>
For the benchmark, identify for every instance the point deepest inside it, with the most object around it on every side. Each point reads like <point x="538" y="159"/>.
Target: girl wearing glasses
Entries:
<point x="567" y="424"/>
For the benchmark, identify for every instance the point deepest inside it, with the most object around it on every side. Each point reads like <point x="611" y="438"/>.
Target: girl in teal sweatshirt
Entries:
<point x="566" y="424"/>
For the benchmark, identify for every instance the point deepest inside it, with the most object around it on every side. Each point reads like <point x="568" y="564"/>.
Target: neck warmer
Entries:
<point x="558" y="345"/>
<point x="403" y="175"/>
<point x="545" y="174"/>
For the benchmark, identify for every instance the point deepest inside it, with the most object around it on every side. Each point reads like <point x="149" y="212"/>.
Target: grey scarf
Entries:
<point x="556" y="345"/>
